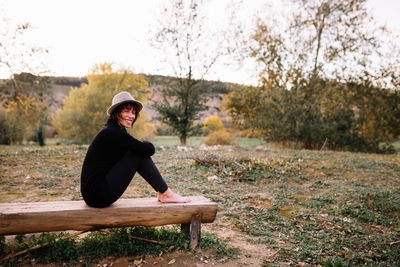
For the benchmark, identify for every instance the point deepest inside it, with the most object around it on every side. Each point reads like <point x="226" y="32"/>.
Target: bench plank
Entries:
<point x="20" y="218"/>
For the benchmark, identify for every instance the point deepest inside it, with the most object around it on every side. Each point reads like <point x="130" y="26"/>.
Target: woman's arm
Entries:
<point x="123" y="139"/>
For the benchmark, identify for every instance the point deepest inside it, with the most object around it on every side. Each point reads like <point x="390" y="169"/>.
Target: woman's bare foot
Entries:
<point x="170" y="197"/>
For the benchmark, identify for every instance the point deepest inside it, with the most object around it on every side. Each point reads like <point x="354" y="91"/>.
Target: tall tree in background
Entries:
<point x="311" y="75"/>
<point x="192" y="50"/>
<point x="337" y="39"/>
<point x="321" y="39"/>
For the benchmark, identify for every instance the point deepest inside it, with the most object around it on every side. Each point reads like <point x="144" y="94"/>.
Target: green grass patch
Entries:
<point x="248" y="142"/>
<point x="198" y="140"/>
<point x="174" y="141"/>
<point x="116" y="242"/>
<point x="380" y="208"/>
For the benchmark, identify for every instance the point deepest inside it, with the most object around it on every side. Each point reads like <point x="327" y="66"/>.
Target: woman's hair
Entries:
<point x="118" y="109"/>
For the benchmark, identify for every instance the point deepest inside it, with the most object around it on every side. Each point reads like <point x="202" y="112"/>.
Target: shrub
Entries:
<point x="221" y="137"/>
<point x="213" y="123"/>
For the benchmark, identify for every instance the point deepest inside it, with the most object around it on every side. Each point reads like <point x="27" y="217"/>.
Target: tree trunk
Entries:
<point x="40" y="138"/>
<point x="308" y="145"/>
<point x="320" y="30"/>
<point x="183" y="140"/>
<point x="40" y="135"/>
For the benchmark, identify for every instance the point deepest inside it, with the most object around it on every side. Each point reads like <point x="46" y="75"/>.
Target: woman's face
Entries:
<point x="127" y="116"/>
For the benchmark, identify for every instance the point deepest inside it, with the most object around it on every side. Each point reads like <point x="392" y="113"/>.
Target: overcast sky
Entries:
<point x="80" y="34"/>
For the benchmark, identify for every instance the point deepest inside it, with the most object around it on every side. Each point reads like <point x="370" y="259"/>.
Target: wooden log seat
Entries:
<point x="36" y="217"/>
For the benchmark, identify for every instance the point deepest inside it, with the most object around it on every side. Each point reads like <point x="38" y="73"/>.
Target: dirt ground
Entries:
<point x="177" y="258"/>
<point x="250" y="254"/>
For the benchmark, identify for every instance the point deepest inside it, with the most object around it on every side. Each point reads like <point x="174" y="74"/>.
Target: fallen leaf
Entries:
<point x="137" y="262"/>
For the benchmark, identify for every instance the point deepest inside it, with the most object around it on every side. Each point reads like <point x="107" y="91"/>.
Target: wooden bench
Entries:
<point x="36" y="217"/>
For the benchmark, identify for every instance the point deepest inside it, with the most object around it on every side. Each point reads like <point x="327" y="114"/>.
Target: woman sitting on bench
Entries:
<point x="114" y="157"/>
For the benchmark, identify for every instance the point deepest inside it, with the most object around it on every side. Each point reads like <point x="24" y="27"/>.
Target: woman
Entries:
<point x="114" y="157"/>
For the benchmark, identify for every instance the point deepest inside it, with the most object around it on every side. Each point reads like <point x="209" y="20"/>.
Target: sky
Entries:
<point x="80" y="34"/>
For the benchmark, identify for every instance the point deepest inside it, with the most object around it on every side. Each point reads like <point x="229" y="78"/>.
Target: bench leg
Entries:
<point x="195" y="232"/>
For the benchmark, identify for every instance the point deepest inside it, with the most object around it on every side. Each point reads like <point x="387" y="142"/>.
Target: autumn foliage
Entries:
<point x="217" y="134"/>
<point x="84" y="110"/>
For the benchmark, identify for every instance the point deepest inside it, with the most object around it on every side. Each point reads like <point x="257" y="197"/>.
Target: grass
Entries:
<point x="174" y="141"/>
<point x="305" y="207"/>
<point x="116" y="242"/>
<point x="396" y="145"/>
<point x="197" y="141"/>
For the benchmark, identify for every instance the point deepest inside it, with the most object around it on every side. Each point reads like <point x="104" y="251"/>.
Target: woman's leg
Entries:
<point x="148" y="170"/>
<point x="120" y="175"/>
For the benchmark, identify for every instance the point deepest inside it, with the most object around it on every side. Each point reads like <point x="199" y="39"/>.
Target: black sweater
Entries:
<point x="106" y="149"/>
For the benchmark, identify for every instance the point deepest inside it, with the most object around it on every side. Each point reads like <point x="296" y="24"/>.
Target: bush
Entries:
<point x="213" y="123"/>
<point x="222" y="137"/>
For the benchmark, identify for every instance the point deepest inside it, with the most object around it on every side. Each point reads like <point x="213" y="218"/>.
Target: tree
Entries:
<point x="27" y="99"/>
<point x="21" y="119"/>
<point x="351" y="116"/>
<point x="19" y="58"/>
<point x="84" y="110"/>
<point x="323" y="39"/>
<point x="311" y="74"/>
<point x="191" y="50"/>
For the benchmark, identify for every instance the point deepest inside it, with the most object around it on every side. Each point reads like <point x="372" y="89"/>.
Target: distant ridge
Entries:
<point x="61" y="85"/>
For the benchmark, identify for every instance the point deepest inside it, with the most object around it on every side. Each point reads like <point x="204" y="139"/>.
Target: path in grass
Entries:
<point x="291" y="207"/>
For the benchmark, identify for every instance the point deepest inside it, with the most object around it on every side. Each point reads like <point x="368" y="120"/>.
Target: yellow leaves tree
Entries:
<point x="22" y="117"/>
<point x="84" y="110"/>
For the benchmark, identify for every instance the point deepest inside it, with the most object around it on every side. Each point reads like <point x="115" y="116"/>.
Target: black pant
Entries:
<point x="117" y="179"/>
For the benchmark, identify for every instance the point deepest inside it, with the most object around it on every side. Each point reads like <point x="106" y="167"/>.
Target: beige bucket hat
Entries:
<point x="121" y="98"/>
